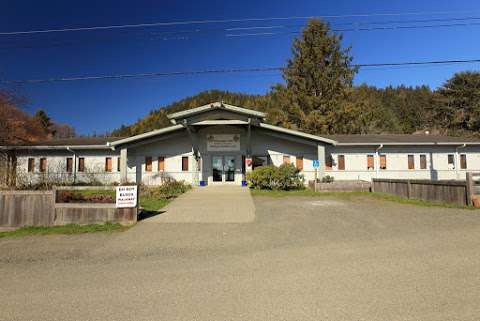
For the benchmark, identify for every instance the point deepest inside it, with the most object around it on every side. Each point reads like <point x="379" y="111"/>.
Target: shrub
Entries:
<point x="284" y="177"/>
<point x="327" y="179"/>
<point x="169" y="189"/>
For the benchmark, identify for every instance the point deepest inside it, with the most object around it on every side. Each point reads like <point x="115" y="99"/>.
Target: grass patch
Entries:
<point x="64" y="229"/>
<point x="151" y="204"/>
<point x="418" y="202"/>
<point x="380" y="196"/>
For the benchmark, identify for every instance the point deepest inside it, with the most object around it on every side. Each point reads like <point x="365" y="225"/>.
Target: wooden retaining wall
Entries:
<point x="21" y="208"/>
<point x="341" y="186"/>
<point x="455" y="192"/>
<point x="38" y="208"/>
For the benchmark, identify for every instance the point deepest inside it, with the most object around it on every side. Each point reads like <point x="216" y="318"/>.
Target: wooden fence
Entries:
<point x="455" y="192"/>
<point x="39" y="208"/>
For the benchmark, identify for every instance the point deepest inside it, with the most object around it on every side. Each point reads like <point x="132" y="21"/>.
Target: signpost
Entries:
<point x="316" y="165"/>
<point x="126" y="196"/>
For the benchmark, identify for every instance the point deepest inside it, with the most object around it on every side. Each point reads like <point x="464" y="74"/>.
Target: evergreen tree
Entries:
<point x="459" y="103"/>
<point x="317" y="76"/>
<point x="43" y="119"/>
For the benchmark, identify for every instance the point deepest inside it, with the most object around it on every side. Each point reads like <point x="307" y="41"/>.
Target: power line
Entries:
<point x="173" y="35"/>
<point x="220" y="71"/>
<point x="213" y="21"/>
<point x="358" y="29"/>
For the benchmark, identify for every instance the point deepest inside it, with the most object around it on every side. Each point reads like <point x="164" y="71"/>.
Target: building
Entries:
<point x="218" y="143"/>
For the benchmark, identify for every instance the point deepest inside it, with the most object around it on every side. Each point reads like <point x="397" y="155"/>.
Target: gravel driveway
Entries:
<point x="301" y="259"/>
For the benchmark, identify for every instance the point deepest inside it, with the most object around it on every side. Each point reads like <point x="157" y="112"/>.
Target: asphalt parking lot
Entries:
<point x="300" y="259"/>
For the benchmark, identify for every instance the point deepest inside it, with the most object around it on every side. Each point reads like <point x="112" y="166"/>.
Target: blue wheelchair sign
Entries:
<point x="316" y="163"/>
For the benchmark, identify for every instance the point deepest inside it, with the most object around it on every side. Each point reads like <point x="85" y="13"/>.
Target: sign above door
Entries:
<point x="223" y="142"/>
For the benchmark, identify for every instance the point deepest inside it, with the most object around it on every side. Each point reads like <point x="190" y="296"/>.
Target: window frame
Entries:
<point x="69" y="164"/>
<point x="148" y="164"/>
<point x="119" y="162"/>
<point x="452" y="157"/>
<point x="411" y="162"/>
<point x="81" y="164"/>
<point x="161" y="164"/>
<point x="185" y="165"/>
<point x="299" y="163"/>
<point x="372" y="158"/>
<point x="463" y="161"/>
<point x="108" y="164"/>
<point x="382" y="162"/>
<point x="43" y="164"/>
<point x="329" y="162"/>
<point x="342" y="163"/>
<point x="31" y="165"/>
<point x="423" y="161"/>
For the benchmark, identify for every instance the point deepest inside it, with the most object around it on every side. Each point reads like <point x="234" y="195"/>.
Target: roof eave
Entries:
<point x="298" y="134"/>
<point x="409" y="143"/>
<point x="145" y="135"/>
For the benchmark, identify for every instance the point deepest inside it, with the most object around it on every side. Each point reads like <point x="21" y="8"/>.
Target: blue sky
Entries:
<point x="99" y="106"/>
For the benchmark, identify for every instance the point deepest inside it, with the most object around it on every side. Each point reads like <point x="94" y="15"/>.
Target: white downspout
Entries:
<point x="377" y="160"/>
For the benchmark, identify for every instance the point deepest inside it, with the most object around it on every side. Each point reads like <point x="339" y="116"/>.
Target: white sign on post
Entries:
<point x="223" y="142"/>
<point x="126" y="196"/>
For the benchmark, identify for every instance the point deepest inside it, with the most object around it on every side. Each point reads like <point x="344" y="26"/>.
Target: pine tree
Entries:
<point x="317" y="77"/>
<point x="459" y="105"/>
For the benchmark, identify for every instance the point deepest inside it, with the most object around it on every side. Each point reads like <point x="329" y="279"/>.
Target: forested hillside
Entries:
<point x="318" y="97"/>
<point x="17" y="127"/>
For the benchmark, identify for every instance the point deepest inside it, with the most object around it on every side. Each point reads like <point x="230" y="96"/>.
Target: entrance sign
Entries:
<point x="126" y="196"/>
<point x="316" y="163"/>
<point x="223" y="142"/>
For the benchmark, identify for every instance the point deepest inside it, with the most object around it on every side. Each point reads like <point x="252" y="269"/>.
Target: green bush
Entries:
<point x="169" y="189"/>
<point x="327" y="179"/>
<point x="285" y="177"/>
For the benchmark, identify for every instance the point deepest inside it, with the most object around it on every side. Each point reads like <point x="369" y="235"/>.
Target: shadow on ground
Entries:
<point x="147" y="214"/>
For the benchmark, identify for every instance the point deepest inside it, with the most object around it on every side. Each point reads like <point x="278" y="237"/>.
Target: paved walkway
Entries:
<point x="211" y="204"/>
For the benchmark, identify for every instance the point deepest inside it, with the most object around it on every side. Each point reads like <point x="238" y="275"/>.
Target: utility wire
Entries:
<point x="184" y="34"/>
<point x="213" y="21"/>
<point x="357" y="29"/>
<point x="220" y="71"/>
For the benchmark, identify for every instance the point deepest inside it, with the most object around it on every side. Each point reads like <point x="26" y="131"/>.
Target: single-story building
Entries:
<point x="218" y="143"/>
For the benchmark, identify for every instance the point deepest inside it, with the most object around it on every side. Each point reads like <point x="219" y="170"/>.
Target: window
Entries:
<point x="108" y="164"/>
<point x="299" y="162"/>
<point x="69" y="164"/>
<point x="423" y="161"/>
<point x="81" y="164"/>
<point x="258" y="161"/>
<point x="161" y="164"/>
<point x="286" y="159"/>
<point x="463" y="161"/>
<point x="451" y="161"/>
<point x="118" y="164"/>
<point x="43" y="165"/>
<point x="185" y="163"/>
<point x="148" y="164"/>
<point x="411" y="162"/>
<point x="370" y="162"/>
<point x="383" y="161"/>
<point x="31" y="165"/>
<point x="329" y="162"/>
<point x="341" y="162"/>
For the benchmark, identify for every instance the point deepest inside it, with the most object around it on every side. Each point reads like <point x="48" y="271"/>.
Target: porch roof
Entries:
<point x="215" y="106"/>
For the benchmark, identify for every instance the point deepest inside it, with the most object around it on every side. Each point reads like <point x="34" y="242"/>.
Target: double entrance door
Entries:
<point x="223" y="167"/>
